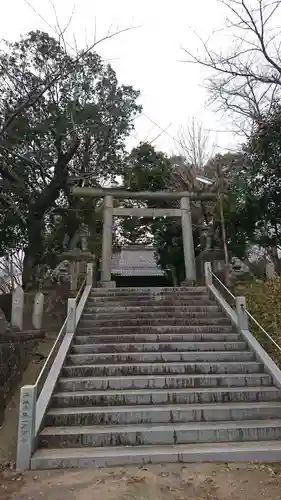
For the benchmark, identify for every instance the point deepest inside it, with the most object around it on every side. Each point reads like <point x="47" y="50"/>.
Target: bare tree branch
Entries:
<point x="247" y="79"/>
<point x="195" y="144"/>
<point x="11" y="268"/>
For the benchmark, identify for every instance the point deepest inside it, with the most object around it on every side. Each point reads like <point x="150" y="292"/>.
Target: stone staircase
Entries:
<point x="158" y="375"/>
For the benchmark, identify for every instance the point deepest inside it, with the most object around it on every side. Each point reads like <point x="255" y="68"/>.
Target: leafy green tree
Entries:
<point x="151" y="170"/>
<point x="262" y="184"/>
<point x="252" y="180"/>
<point x="74" y="132"/>
<point x="145" y="169"/>
<point x="226" y="172"/>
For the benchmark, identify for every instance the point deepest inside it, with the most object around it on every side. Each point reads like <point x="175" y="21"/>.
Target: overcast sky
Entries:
<point x="149" y="57"/>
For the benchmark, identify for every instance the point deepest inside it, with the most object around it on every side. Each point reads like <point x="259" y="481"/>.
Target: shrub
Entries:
<point x="264" y="303"/>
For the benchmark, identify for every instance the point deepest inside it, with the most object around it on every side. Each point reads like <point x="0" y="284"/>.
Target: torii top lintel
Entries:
<point x="140" y="195"/>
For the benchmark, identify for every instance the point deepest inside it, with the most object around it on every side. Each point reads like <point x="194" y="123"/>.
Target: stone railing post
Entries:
<point x="26" y="427"/>
<point x="37" y="314"/>
<point x="17" y="307"/>
<point x="208" y="273"/>
<point x="243" y="321"/>
<point x="71" y="322"/>
<point x="90" y="271"/>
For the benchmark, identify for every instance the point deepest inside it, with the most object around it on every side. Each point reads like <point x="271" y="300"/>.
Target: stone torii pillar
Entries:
<point x="107" y="243"/>
<point x="187" y="240"/>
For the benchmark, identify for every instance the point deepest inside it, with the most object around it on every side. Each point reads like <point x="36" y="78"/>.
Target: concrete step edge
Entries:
<point x="155" y="296"/>
<point x="151" y="296"/>
<point x="158" y="376"/>
<point x="153" y="288"/>
<point x="167" y="364"/>
<point x="188" y="426"/>
<point x="190" y="390"/>
<point x="138" y="353"/>
<point x="159" y="408"/>
<point x="136" y="337"/>
<point x="131" y="455"/>
<point x="103" y="330"/>
<point x="117" y="292"/>
<point x="86" y="332"/>
<point x="147" y="314"/>
<point x="148" y="304"/>
<point x="180" y="342"/>
<point x="190" y="308"/>
<point x="221" y="321"/>
<point x="151" y="299"/>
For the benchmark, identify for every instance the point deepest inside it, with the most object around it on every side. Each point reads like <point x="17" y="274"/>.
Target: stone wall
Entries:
<point x="55" y="308"/>
<point x="16" y="350"/>
<point x="6" y="304"/>
<point x="17" y="347"/>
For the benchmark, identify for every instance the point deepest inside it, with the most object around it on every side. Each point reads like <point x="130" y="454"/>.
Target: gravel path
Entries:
<point x="169" y="482"/>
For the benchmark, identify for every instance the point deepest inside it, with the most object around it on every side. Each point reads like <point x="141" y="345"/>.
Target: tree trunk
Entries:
<point x="33" y="252"/>
<point x="4" y="325"/>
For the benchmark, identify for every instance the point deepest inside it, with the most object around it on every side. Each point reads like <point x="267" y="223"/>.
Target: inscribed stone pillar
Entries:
<point x="270" y="271"/>
<point x="17" y="307"/>
<point x="107" y="240"/>
<point x="38" y="308"/>
<point x="73" y="276"/>
<point x="187" y="239"/>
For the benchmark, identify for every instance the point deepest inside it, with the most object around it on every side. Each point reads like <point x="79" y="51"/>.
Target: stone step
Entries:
<point x="165" y="396"/>
<point x="100" y="292"/>
<point x="196" y="301"/>
<point x="158" y="356"/>
<point x="143" y="303"/>
<point x="91" y="322"/>
<point x="126" y="316"/>
<point x="150" y="297"/>
<point x="147" y="291"/>
<point x="156" y="337"/>
<point x="159" y="346"/>
<point x="159" y="434"/>
<point x="164" y="368"/>
<point x="59" y="458"/>
<point x="172" y="381"/>
<point x="101" y="312"/>
<point x="154" y="329"/>
<point x="153" y="414"/>
<point x="158" y="369"/>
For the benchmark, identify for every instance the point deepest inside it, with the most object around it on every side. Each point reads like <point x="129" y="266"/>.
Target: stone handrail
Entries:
<point x="34" y="399"/>
<point x="223" y="285"/>
<point x="262" y="329"/>
<point x="239" y="318"/>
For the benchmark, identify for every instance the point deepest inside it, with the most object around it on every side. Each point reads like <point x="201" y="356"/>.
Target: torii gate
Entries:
<point x="109" y="211"/>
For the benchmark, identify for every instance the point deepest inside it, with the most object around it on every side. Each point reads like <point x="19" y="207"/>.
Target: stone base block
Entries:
<point x="187" y="283"/>
<point x="108" y="284"/>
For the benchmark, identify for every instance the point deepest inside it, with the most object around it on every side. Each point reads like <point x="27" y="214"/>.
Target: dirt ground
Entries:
<point x="9" y="429"/>
<point x="169" y="482"/>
